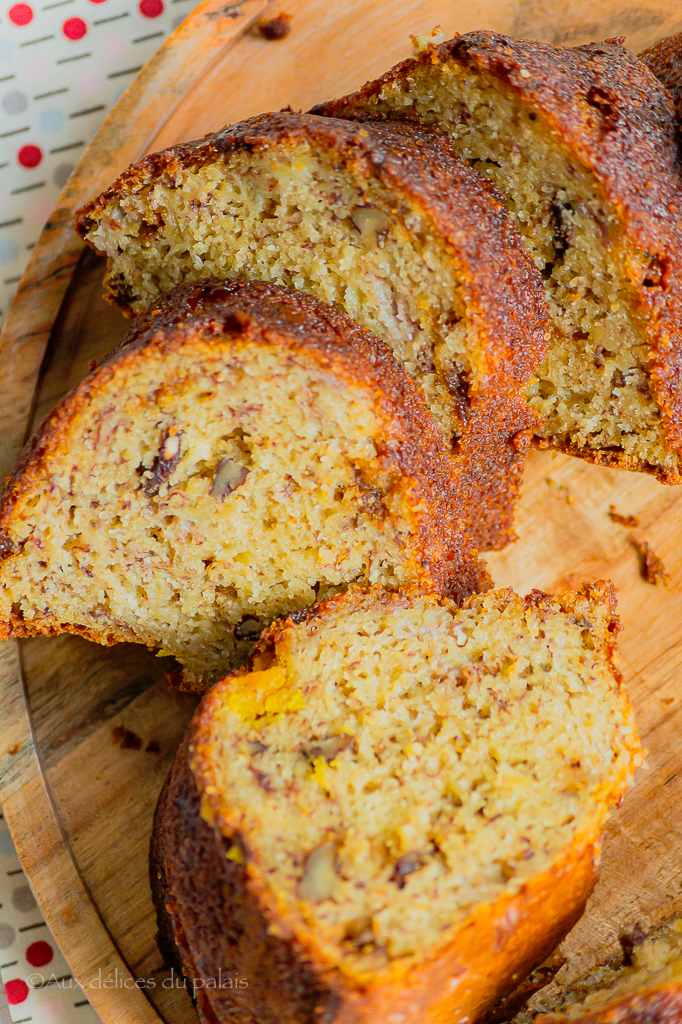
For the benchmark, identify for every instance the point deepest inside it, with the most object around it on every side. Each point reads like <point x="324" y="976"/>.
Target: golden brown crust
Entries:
<point x="481" y="958"/>
<point x="499" y="278"/>
<point x="500" y="284"/>
<point x="606" y="107"/>
<point x="166" y="937"/>
<point x="231" y="314"/>
<point x="204" y="899"/>
<point x="210" y="925"/>
<point x="575" y="603"/>
<point x="510" y="1005"/>
<point x="614" y="458"/>
<point x="664" y="59"/>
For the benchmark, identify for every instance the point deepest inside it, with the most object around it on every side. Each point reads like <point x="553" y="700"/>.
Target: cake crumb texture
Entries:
<point x="245" y="452"/>
<point x="591" y="178"/>
<point x="383" y="223"/>
<point x="406" y="792"/>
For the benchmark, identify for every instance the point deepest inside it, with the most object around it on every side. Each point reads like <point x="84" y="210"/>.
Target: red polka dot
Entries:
<point x="30" y="156"/>
<point x="39" y="953"/>
<point x="74" y="28"/>
<point x="151" y="8"/>
<point x="16" y="991"/>
<point x="20" y="14"/>
<point x="96" y="1"/>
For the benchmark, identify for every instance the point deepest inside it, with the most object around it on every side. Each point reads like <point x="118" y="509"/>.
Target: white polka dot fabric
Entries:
<point x="63" y="65"/>
<point x="38" y="984"/>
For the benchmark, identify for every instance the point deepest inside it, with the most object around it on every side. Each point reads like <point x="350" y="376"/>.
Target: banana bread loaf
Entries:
<point x="582" y="142"/>
<point x="383" y="223"/>
<point x="397" y="812"/>
<point x="245" y="451"/>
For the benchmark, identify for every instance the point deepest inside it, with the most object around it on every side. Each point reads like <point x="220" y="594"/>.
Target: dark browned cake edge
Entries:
<point x="272" y="315"/>
<point x="257" y="311"/>
<point x="210" y="911"/>
<point x="220" y="933"/>
<point x="664" y="59"/>
<point x="500" y="283"/>
<point x="607" y="106"/>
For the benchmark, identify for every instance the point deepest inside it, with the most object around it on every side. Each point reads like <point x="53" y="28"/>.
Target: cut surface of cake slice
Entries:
<point x="582" y="142"/>
<point x="385" y="224"/>
<point x="397" y="812"/>
<point x="645" y="988"/>
<point x="243" y="452"/>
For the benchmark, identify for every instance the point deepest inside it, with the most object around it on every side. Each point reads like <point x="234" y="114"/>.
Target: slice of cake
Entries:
<point x="244" y="452"/>
<point x="384" y="224"/>
<point x="645" y="988"/>
<point x="664" y="59"/>
<point x="582" y="142"/>
<point x="397" y="813"/>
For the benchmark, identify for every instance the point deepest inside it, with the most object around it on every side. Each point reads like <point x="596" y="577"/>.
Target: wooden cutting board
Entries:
<point x="86" y="733"/>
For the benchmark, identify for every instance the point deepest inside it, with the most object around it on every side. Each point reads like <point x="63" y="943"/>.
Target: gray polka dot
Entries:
<point x="9" y="251"/>
<point x="7" y="935"/>
<point x="14" y="102"/>
<point x="22" y="898"/>
<point x="6" y="844"/>
<point x="61" y="173"/>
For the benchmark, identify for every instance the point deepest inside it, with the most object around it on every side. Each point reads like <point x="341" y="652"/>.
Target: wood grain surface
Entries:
<point x="79" y="804"/>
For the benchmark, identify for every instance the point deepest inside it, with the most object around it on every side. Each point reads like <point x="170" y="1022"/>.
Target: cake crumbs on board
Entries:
<point x="652" y="568"/>
<point x="276" y="28"/>
<point x="126" y="739"/>
<point x="618" y="517"/>
<point x="563" y="490"/>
